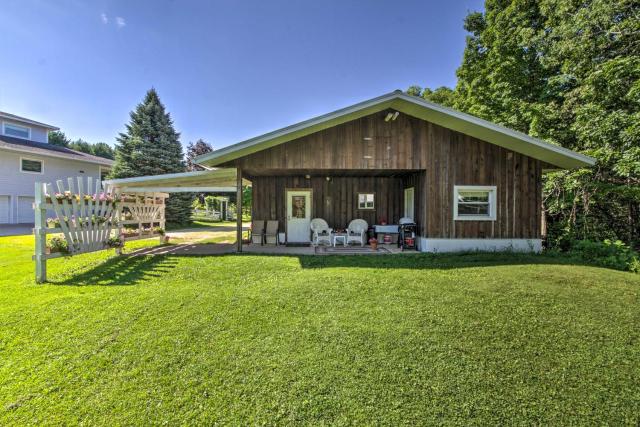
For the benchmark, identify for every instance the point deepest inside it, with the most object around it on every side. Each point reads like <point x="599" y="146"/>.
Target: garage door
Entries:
<point x="4" y="209"/>
<point x="25" y="209"/>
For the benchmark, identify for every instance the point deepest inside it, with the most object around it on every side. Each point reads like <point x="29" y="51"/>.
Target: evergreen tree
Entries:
<point x="102" y="149"/>
<point x="58" y="138"/>
<point x="151" y="146"/>
<point x="194" y="150"/>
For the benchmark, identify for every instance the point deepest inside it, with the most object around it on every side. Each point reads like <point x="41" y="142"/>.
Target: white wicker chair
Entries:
<point x="357" y="231"/>
<point x="321" y="231"/>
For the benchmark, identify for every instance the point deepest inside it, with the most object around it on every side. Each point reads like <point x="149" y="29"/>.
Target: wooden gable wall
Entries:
<point x="432" y="159"/>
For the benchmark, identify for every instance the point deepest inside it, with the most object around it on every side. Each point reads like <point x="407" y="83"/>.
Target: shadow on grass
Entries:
<point x="122" y="271"/>
<point x="422" y="261"/>
<point x="416" y="261"/>
<point x="131" y="270"/>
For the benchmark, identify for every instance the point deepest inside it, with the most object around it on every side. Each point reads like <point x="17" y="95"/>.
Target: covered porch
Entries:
<point x="377" y="196"/>
<point x="333" y="195"/>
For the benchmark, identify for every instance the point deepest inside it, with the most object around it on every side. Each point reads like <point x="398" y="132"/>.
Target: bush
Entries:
<point x="608" y="254"/>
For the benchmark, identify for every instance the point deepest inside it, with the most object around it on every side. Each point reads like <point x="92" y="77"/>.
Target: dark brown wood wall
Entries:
<point x="334" y="200"/>
<point x="443" y="157"/>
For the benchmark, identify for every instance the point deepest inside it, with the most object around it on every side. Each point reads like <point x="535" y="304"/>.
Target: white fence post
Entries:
<point x="40" y="234"/>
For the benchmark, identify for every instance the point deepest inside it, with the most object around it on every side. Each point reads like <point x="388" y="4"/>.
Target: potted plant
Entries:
<point x="374" y="243"/>
<point x="58" y="244"/>
<point x="163" y="236"/>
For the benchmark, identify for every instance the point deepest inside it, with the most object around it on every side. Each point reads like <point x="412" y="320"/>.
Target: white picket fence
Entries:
<point x="90" y="217"/>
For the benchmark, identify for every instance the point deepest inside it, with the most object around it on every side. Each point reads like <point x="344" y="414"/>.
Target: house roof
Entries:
<point x="25" y="120"/>
<point x="412" y="106"/>
<point x="49" y="150"/>
<point x="211" y="180"/>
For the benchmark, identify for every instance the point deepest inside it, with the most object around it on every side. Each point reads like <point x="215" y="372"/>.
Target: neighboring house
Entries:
<point x="26" y="157"/>
<point x="469" y="184"/>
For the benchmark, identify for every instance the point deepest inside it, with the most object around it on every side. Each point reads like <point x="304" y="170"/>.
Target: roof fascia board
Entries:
<point x="177" y="189"/>
<point x="297" y="130"/>
<point x="491" y="132"/>
<point x="107" y="163"/>
<point x="416" y="107"/>
<point x="28" y="121"/>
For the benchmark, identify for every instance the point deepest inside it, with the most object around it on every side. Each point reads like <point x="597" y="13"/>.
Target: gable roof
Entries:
<point x="25" y="120"/>
<point x="49" y="150"/>
<point x="412" y="106"/>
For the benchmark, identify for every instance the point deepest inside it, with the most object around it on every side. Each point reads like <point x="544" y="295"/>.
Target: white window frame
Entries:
<point x="4" y="130"/>
<point x="365" y="208"/>
<point x="33" y="160"/>
<point x="493" y="198"/>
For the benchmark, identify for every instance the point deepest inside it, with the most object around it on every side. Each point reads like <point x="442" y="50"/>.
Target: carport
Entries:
<point x="220" y="180"/>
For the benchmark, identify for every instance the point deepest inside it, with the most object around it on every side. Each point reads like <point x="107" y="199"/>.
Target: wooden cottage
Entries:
<point x="467" y="183"/>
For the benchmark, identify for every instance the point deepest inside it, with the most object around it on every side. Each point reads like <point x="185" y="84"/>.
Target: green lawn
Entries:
<point x="470" y="339"/>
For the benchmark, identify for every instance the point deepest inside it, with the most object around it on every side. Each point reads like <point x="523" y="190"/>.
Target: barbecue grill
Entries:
<point x="408" y="230"/>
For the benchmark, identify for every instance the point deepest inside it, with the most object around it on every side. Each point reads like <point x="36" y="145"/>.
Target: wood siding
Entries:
<point x="334" y="200"/>
<point x="428" y="157"/>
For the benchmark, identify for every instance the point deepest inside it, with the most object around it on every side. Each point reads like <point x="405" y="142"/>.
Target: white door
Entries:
<point x="298" y="216"/>
<point x="26" y="214"/>
<point x="408" y="203"/>
<point x="4" y="209"/>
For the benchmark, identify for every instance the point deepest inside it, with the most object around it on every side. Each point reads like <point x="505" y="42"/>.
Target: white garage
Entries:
<point x="25" y="210"/>
<point x="4" y="209"/>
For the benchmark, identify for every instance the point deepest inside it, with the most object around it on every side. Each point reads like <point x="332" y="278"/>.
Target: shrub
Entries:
<point x="114" y="242"/>
<point x="609" y="254"/>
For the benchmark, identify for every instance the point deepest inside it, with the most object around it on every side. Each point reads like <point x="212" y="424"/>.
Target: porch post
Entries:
<point x="239" y="209"/>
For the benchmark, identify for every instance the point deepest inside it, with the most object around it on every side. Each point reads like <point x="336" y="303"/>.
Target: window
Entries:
<point x="30" y="166"/>
<point x="474" y="203"/>
<point x="17" y="131"/>
<point x="365" y="201"/>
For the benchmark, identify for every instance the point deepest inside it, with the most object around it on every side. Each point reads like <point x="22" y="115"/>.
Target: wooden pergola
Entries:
<point x="220" y="180"/>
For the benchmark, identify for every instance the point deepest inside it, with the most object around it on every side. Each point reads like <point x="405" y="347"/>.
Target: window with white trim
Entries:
<point x="30" y="165"/>
<point x="17" y="131"/>
<point x="365" y="200"/>
<point x="474" y="203"/>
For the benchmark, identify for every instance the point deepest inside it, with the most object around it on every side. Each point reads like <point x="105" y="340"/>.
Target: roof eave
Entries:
<point x="416" y="107"/>
<point x="105" y="162"/>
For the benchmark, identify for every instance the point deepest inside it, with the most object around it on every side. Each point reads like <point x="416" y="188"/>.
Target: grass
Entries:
<point x="239" y="339"/>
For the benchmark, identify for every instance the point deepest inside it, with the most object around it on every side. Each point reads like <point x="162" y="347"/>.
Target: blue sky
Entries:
<point x="225" y="70"/>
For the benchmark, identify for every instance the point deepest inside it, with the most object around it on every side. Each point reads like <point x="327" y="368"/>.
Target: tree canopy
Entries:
<point x="100" y="149"/>
<point x="194" y="150"/>
<point x="151" y="146"/>
<point x="567" y="72"/>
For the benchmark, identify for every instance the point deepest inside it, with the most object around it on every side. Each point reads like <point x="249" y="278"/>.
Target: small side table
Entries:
<point x="339" y="236"/>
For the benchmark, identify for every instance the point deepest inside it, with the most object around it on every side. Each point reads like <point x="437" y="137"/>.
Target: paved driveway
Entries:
<point x="15" y="229"/>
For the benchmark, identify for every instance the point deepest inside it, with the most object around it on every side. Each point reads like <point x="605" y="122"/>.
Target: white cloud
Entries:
<point x="105" y="18"/>
<point x="120" y="22"/>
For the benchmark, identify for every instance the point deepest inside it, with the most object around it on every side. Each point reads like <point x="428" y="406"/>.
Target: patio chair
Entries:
<point x="321" y="231"/>
<point x="257" y="231"/>
<point x="357" y="231"/>
<point x="271" y="234"/>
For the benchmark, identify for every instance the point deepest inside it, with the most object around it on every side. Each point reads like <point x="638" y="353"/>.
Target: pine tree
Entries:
<point x="151" y="146"/>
